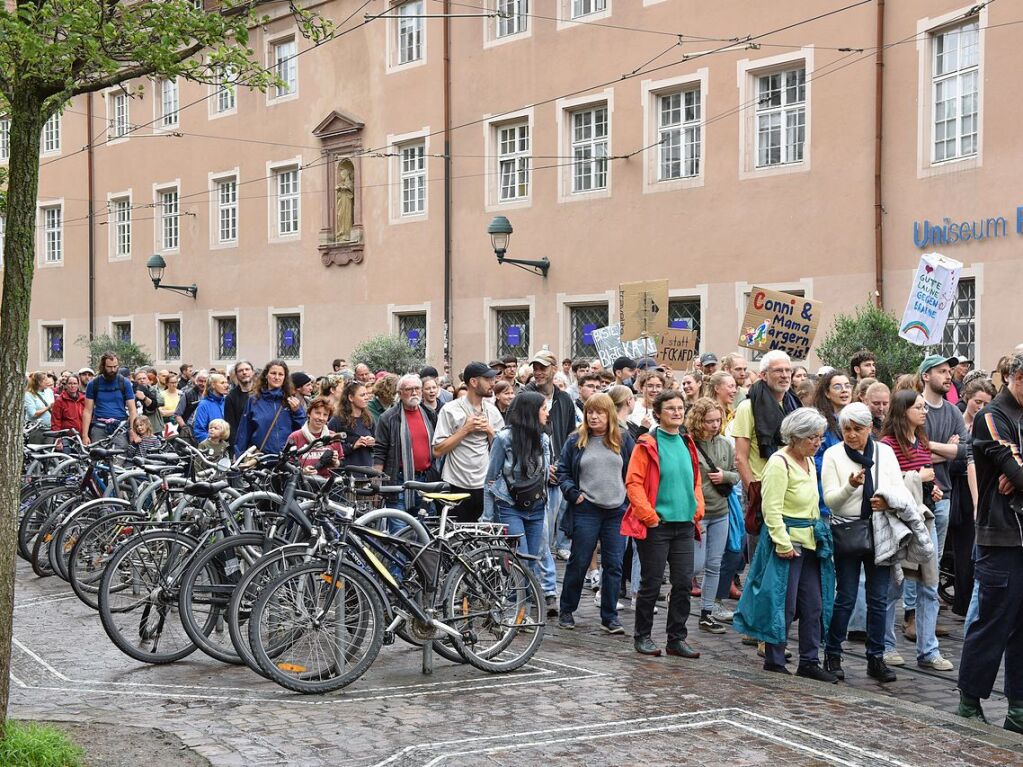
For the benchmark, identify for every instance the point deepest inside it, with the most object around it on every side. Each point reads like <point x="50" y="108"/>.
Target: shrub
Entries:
<point x="391" y="353"/>
<point x="129" y="354"/>
<point x="875" y="329"/>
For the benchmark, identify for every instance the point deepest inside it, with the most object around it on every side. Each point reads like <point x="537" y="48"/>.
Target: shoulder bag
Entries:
<point x="724" y="489"/>
<point x="854" y="538"/>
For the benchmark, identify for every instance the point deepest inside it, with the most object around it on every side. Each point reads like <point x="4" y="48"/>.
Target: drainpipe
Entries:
<point x="447" y="182"/>
<point x="878" y="134"/>
<point x="92" y="234"/>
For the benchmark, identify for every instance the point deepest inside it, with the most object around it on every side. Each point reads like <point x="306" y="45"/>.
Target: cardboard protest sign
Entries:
<point x="677" y="349"/>
<point x="643" y="308"/>
<point x="930" y="299"/>
<point x="776" y="320"/>
<point x="610" y="346"/>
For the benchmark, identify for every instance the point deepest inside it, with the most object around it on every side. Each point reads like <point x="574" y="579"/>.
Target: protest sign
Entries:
<point x="930" y="299"/>
<point x="677" y="349"/>
<point x="776" y="320"/>
<point x="610" y="346"/>
<point x="643" y="308"/>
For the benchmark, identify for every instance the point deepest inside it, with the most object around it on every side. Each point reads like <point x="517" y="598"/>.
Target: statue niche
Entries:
<point x="341" y="236"/>
<point x="344" y="201"/>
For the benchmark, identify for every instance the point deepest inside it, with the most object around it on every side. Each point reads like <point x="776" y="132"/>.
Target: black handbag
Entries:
<point x="528" y="491"/>
<point x="855" y="537"/>
<point x="724" y="488"/>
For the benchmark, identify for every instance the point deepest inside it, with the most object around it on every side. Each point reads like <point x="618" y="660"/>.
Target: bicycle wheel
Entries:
<point x="206" y="589"/>
<point x="93" y="550"/>
<point x="138" y="597"/>
<point x="495" y="602"/>
<point x="73" y="525"/>
<point x="305" y="649"/>
<point x="45" y="535"/>
<point x="37" y="514"/>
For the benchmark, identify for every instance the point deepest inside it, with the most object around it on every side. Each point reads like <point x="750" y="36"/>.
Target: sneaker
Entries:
<point x="722" y="614"/>
<point x="564" y="554"/>
<point x="937" y="663"/>
<point x="894" y="659"/>
<point x="632" y="606"/>
<point x="552" y="605"/>
<point x="596" y="601"/>
<point x="645" y="646"/>
<point x="814" y="671"/>
<point x="593" y="579"/>
<point x="614" y="627"/>
<point x="566" y="622"/>
<point x="681" y="650"/>
<point x="708" y="624"/>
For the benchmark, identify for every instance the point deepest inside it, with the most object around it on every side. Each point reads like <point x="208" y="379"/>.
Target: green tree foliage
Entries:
<point x="870" y="327"/>
<point x="390" y="353"/>
<point x="129" y="354"/>
<point x="50" y="52"/>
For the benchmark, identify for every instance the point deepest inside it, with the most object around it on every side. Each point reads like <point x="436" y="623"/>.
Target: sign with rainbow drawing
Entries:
<point x="930" y="299"/>
<point x="776" y="320"/>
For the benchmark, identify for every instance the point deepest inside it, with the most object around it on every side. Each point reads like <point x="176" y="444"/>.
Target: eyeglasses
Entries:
<point x="674" y="409"/>
<point x="818" y="438"/>
<point x="841" y="387"/>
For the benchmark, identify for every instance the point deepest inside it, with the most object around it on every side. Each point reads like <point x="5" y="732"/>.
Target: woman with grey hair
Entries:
<point x="852" y="474"/>
<point x="792" y="571"/>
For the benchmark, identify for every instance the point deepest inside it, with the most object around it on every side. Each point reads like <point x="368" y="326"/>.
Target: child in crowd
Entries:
<point x="148" y="442"/>
<point x="318" y="413"/>
<point x="215" y="446"/>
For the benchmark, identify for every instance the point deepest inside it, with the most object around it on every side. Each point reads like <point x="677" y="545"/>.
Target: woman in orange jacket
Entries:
<point x="665" y="494"/>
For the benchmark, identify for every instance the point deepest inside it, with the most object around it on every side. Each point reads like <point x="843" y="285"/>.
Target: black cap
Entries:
<point x="477" y="370"/>
<point x="647" y="363"/>
<point x="299" y="379"/>
<point x="623" y="362"/>
<point x="429" y="372"/>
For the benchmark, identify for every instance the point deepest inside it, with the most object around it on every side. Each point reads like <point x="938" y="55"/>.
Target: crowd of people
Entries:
<point x="837" y="495"/>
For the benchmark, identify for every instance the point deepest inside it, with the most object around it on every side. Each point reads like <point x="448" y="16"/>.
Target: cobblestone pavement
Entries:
<point x="586" y="698"/>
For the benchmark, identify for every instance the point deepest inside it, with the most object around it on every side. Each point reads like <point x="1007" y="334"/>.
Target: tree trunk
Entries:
<point x="27" y="120"/>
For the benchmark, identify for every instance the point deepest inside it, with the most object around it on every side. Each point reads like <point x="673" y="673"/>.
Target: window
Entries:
<point x="512" y="332"/>
<point x="589" y="149"/>
<point x="168" y="212"/>
<point x="168" y="103"/>
<point x="781" y="117"/>
<point x="121" y="331"/>
<point x="412" y="328"/>
<point x="227" y="338"/>
<point x="53" y="234"/>
<point x="955" y="78"/>
<point x="51" y="134"/>
<point x="54" y="343"/>
<point x="584" y="320"/>
<point x="679" y="133"/>
<point x="586" y="7"/>
<point x="512" y="16"/>
<point x="685" y="313"/>
<point x="412" y="158"/>
<point x="227" y="210"/>
<point x="285" y="66"/>
<point x="513" y="161"/>
<point x="119" y="124"/>
<point x="410" y="32"/>
<point x="120" y="214"/>
<point x="960" y="336"/>
<point x="5" y="138"/>
<point x="288" y="195"/>
<point x="289" y="337"/>
<point x="170" y="337"/>
<point x="225" y="98"/>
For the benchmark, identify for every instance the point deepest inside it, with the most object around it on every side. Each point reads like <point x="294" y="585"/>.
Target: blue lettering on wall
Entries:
<point x="949" y="232"/>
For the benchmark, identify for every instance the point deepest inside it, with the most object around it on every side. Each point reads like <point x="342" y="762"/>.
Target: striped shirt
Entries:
<point x="917" y="458"/>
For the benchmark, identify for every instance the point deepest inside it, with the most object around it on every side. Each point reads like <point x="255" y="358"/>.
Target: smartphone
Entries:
<point x="798" y="548"/>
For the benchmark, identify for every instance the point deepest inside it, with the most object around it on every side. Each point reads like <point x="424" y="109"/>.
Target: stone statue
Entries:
<point x="344" y="204"/>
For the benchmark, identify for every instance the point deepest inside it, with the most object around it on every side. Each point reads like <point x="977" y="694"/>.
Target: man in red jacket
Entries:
<point x="66" y="412"/>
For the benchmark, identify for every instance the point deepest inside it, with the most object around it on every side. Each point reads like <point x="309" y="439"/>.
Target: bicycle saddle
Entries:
<point x="205" y="489"/>
<point x="427" y="487"/>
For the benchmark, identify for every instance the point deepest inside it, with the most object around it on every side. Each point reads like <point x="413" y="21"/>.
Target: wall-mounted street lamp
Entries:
<point x="156" y="265"/>
<point x="500" y="231"/>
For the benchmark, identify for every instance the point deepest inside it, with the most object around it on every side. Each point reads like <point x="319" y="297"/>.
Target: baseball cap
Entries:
<point x="478" y="370"/>
<point x="622" y="363"/>
<point x="544" y="357"/>
<point x="647" y="363"/>
<point x="90" y="371"/>
<point x="497" y="364"/>
<point x="933" y="360"/>
<point x="708" y="359"/>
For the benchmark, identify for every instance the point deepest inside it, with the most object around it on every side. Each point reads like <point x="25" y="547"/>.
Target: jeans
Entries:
<point x="395" y="526"/>
<point x="998" y="630"/>
<point x="926" y="615"/>
<point x="592" y="524"/>
<point x="941" y="512"/>
<point x="671" y="544"/>
<point x="731" y="563"/>
<point x="527" y="524"/>
<point x="803" y="600"/>
<point x="847" y="573"/>
<point x="554" y="504"/>
<point x="708" y="555"/>
<point x="858" y="621"/>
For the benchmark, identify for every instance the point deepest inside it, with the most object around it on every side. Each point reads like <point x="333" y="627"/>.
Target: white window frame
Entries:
<point x="397" y="142"/>
<point x="565" y="302"/>
<point x="51" y="135"/>
<point x="116" y="225"/>
<point x="272" y="313"/>
<point x="519" y="161"/>
<point x="273" y="173"/>
<point x="222" y="88"/>
<point x="5" y="139"/>
<point x="160" y="320"/>
<point x="159" y="189"/>
<point x="492" y="27"/>
<point x="748" y="72"/>
<point x="491" y="306"/>
<point x="118" y="125"/>
<point x="394" y="30"/>
<point x="564" y="110"/>
<point x="395" y="311"/>
<point x="41" y="327"/>
<point x="218" y="207"/>
<point x="44" y="233"/>
<point x="215" y="317"/>
<point x="652" y="91"/>
<point x="168" y="107"/>
<point x="568" y="19"/>
<point x="925" y="41"/>
<point x="492" y="150"/>
<point x="273" y="94"/>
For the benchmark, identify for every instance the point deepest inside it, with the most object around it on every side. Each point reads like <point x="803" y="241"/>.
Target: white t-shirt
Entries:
<point x="466" y="465"/>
